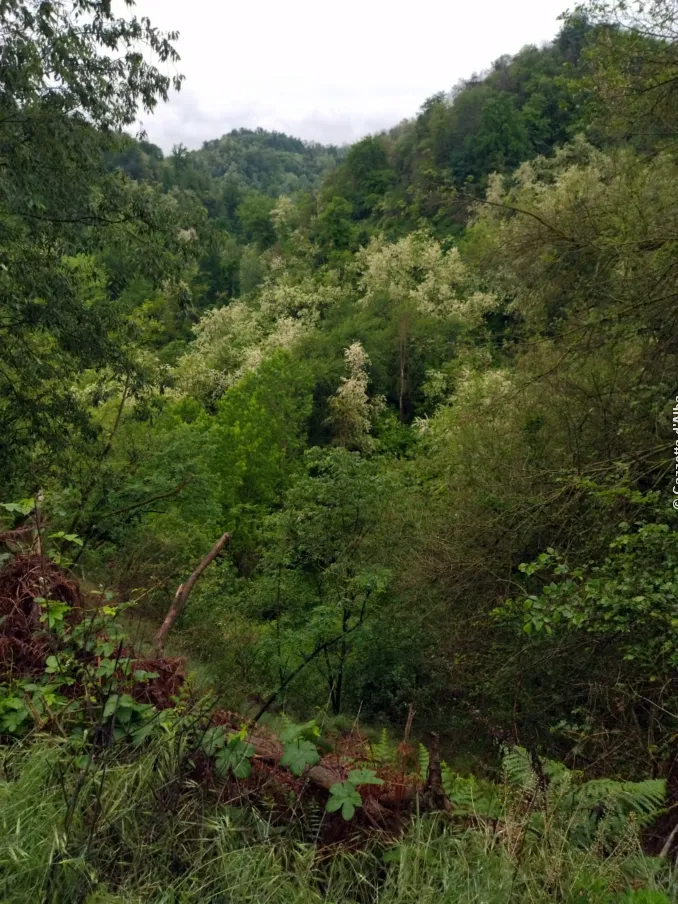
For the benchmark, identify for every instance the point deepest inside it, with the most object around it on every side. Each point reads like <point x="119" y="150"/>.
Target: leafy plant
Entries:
<point x="299" y="755"/>
<point x="364" y="777"/>
<point x="235" y="756"/>
<point x="383" y="751"/>
<point x="231" y="754"/>
<point x="423" y="758"/>
<point x="344" y="797"/>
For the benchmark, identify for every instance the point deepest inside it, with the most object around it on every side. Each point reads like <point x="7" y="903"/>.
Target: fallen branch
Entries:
<point x="183" y="592"/>
<point x="402" y="798"/>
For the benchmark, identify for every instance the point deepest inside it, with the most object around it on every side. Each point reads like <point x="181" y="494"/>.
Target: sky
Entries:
<point x="328" y="72"/>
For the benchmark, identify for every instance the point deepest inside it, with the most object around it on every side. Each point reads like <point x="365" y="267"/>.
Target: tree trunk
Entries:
<point x="402" y="354"/>
<point x="183" y="592"/>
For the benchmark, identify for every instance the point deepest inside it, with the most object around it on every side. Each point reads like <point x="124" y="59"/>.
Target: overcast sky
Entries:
<point x="329" y="72"/>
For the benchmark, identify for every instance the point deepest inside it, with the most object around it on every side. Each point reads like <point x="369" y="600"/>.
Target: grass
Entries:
<point x="119" y="832"/>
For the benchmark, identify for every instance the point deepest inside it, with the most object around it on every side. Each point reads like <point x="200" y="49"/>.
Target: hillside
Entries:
<point x="270" y="163"/>
<point x="338" y="542"/>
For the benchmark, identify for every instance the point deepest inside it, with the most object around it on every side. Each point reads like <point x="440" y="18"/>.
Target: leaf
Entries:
<point x="236" y="757"/>
<point x="344" y="796"/>
<point x="424" y="758"/>
<point x="143" y="675"/>
<point x="213" y="740"/>
<point x="111" y="705"/>
<point x="364" y="777"/>
<point x="292" y="732"/>
<point x="298" y="755"/>
<point x="105" y="669"/>
<point x="24" y="507"/>
<point x="70" y="538"/>
<point x="140" y="734"/>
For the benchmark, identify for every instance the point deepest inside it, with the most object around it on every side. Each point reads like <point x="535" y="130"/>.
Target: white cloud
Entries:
<point x="328" y="72"/>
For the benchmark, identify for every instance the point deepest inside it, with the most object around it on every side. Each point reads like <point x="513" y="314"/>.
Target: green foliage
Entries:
<point x="383" y="751"/>
<point x="235" y="756"/>
<point x="344" y="797"/>
<point x="628" y="80"/>
<point x="364" y="777"/>
<point x="630" y="595"/>
<point x="292" y="732"/>
<point x="86" y="686"/>
<point x="59" y="209"/>
<point x="601" y="811"/>
<point x="318" y="582"/>
<point x="470" y="796"/>
<point x="258" y="432"/>
<point x="423" y="759"/>
<point x="122" y="842"/>
<point x="298" y="755"/>
<point x="395" y="374"/>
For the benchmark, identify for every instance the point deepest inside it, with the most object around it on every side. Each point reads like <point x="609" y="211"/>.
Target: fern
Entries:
<point x="644" y="798"/>
<point x="285" y="720"/>
<point x="520" y="772"/>
<point x="606" y="809"/>
<point x="518" y="769"/>
<point x="314" y="815"/>
<point x="382" y="752"/>
<point x="468" y="796"/>
<point x="601" y="809"/>
<point x="423" y="757"/>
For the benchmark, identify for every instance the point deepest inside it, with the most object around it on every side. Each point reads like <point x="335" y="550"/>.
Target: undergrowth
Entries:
<point x="119" y="831"/>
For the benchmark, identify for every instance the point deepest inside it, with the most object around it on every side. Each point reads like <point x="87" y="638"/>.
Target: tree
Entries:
<point x="256" y="224"/>
<point x="258" y="434"/>
<point x="321" y="578"/>
<point x="419" y="278"/>
<point x="71" y="75"/>
<point x="631" y="75"/>
<point x="351" y="410"/>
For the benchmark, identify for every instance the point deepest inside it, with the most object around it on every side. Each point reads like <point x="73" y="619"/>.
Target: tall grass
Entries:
<point x="118" y="832"/>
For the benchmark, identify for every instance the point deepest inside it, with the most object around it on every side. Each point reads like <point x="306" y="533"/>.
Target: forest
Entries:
<point x="339" y="486"/>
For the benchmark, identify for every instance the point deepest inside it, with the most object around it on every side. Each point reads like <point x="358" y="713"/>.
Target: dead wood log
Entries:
<point x="271" y="750"/>
<point x="322" y="776"/>
<point x="183" y="592"/>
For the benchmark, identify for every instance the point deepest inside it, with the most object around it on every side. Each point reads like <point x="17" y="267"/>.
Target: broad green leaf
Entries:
<point x="105" y="669"/>
<point x="364" y="777"/>
<point x="236" y="757"/>
<point x="213" y="740"/>
<point x="24" y="507"/>
<point x="292" y="732"/>
<point x="298" y="755"/>
<point x="344" y="796"/>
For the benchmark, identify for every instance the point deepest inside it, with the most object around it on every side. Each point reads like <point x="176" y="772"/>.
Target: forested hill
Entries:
<point x="523" y="106"/>
<point x="245" y="159"/>
<point x="425" y="170"/>
<point x="339" y="508"/>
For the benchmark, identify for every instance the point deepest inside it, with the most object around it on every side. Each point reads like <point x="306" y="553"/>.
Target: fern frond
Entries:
<point x="423" y="758"/>
<point x="468" y="796"/>
<point x="518" y="769"/>
<point x="382" y="751"/>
